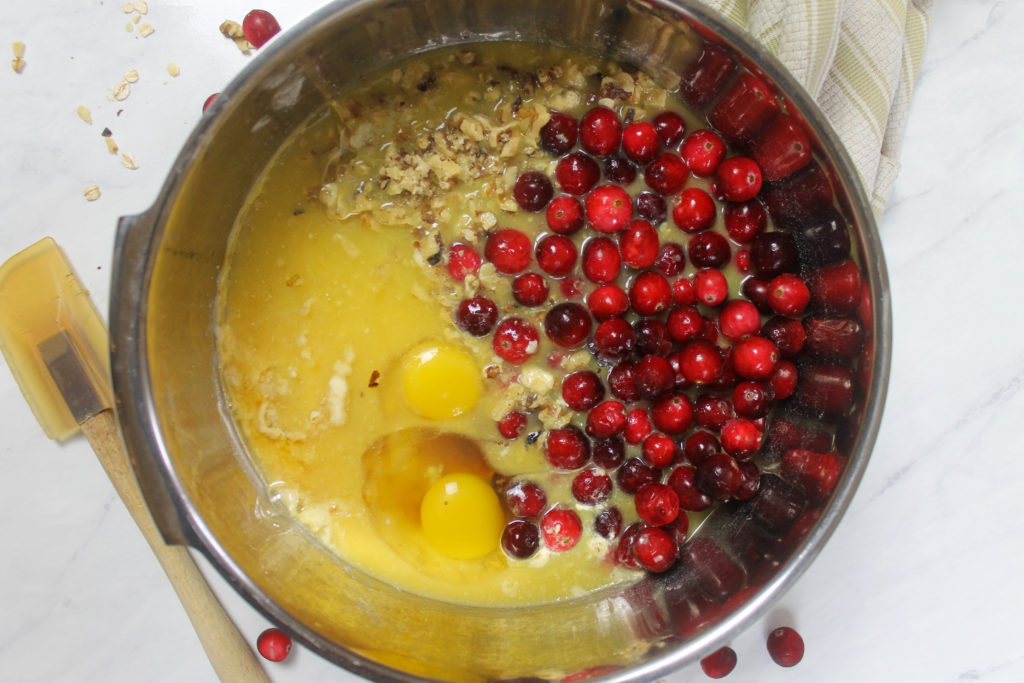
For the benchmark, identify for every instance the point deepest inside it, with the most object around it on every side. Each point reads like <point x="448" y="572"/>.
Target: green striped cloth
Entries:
<point x="858" y="58"/>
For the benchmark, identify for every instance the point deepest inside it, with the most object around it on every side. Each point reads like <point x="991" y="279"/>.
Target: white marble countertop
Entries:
<point x="922" y="580"/>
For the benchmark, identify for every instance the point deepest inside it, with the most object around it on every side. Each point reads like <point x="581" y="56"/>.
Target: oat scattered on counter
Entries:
<point x="131" y="76"/>
<point x="140" y="6"/>
<point x="127" y="8"/>
<point x="233" y="30"/>
<point x="92" y="193"/>
<point x="128" y="161"/>
<point x="85" y="114"/>
<point x="122" y="90"/>
<point x="18" y="63"/>
<point x="129" y="27"/>
<point x="111" y="145"/>
<point x="173" y="69"/>
<point x="146" y="29"/>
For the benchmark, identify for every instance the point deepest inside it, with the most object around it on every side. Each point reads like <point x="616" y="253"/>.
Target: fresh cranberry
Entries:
<point x="591" y="486"/>
<point x="672" y="414"/>
<point x="561" y="529"/>
<point x="788" y="334"/>
<point x="653" y="377"/>
<point x="781" y="148"/>
<point x="571" y="287"/>
<point x="477" y="315"/>
<point x="785" y="646"/>
<point x="463" y="260"/>
<point x="520" y="539"/>
<point x="788" y="295"/>
<point x="559" y="134"/>
<point x="708" y="249"/>
<point x="825" y="238"/>
<point x="656" y="504"/>
<point x="683" y="292"/>
<point x="719" y="476"/>
<point x="582" y="390"/>
<point x="719" y="663"/>
<point x="509" y="250"/>
<point x="836" y="287"/>
<point x="712" y="412"/>
<point x="808" y="192"/>
<point x="773" y="253"/>
<point x="619" y="169"/>
<point x="259" y="26"/>
<point x="739" y="319"/>
<point x="577" y="173"/>
<point x="609" y="208"/>
<point x="635" y="473"/>
<point x="525" y="499"/>
<point x="652" y="337"/>
<point x="638" y="426"/>
<point x="742" y="260"/>
<point x="695" y="210"/>
<point x="755" y="289"/>
<point x="512" y="425"/>
<point x="515" y="340"/>
<point x="208" y="102"/>
<point x="530" y="289"/>
<point x="624" y="549"/>
<point x="607" y="301"/>
<point x="564" y="215"/>
<point x="750" y="481"/>
<point x="666" y="174"/>
<point x="567" y="448"/>
<point x="671" y="259"/>
<point x="753" y="399"/>
<point x="816" y="473"/>
<point x="834" y="338"/>
<point x="568" y="324"/>
<point x="658" y="449"/>
<point x="740" y="438"/>
<point x="738" y="179"/>
<point x="556" y="255"/>
<point x="701" y="361"/>
<point x="704" y="77"/>
<point x="650" y="293"/>
<point x="755" y="357"/>
<point x="783" y="380"/>
<point x="743" y="108"/>
<point x="601" y="260"/>
<point x="608" y="453"/>
<point x="600" y="131"/>
<point x="711" y="287"/>
<point x="614" y="339"/>
<point x="655" y="549"/>
<point x="620" y="381"/>
<point x="825" y="388"/>
<point x="608" y="523"/>
<point x="638" y="245"/>
<point x="684" y="323"/>
<point x="533" y="191"/>
<point x="651" y="207"/>
<point x="702" y="151"/>
<point x="670" y="127"/>
<point x="699" y="445"/>
<point x="606" y="419"/>
<point x="640" y="141"/>
<point x="273" y="644"/>
<point x="683" y="480"/>
<point x="745" y="220"/>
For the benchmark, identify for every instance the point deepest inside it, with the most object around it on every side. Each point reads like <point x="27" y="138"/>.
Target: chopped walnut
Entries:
<point x="233" y="30"/>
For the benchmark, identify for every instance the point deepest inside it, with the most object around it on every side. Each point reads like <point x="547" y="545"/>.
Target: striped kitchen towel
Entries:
<point x="858" y="58"/>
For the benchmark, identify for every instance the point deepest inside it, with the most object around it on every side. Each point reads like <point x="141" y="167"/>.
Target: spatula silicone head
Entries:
<point x="49" y="328"/>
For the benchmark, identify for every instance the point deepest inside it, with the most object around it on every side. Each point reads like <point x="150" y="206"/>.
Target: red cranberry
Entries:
<point x="509" y="250"/>
<point x="533" y="191"/>
<point x="823" y="239"/>
<point x="512" y="425"/>
<point x="739" y="319"/>
<point x="738" y="179"/>
<point x="699" y="445"/>
<point x="638" y="426"/>
<point x="640" y="141"/>
<point x="745" y="220"/>
<point x="462" y="261"/>
<point x="600" y="131"/>
<point x="561" y="528"/>
<point x="208" y="102"/>
<point x="705" y="76"/>
<point x="695" y="210"/>
<point x="752" y="399"/>
<point x="567" y="324"/>
<point x="781" y="148"/>
<point x="742" y="260"/>
<point x="672" y="414"/>
<point x="520" y="539"/>
<point x="684" y="323"/>
<point x="825" y="388"/>
<point x="666" y="174"/>
<point x="670" y="127"/>
<point x="259" y="26"/>
<point x="614" y="339"/>
<point x="816" y="473"/>
<point x="785" y="646"/>
<point x="477" y="316"/>
<point x="788" y="295"/>
<point x="740" y="438"/>
<point x="620" y="381"/>
<point x="678" y="528"/>
<point x="525" y="499"/>
<point x="671" y="259"/>
<point x="655" y="549"/>
<point x="608" y="453"/>
<point x="784" y="380"/>
<point x="755" y="358"/>
<point x="702" y="151"/>
<point x="624" y="550"/>
<point x="787" y="334"/>
<point x="577" y="173"/>
<point x="719" y="663"/>
<point x="833" y="338"/>
<point x="619" y="170"/>
<point x="750" y="481"/>
<point x="683" y="481"/>
<point x="556" y="255"/>
<point x="650" y="293"/>
<point x="755" y="289"/>
<point x="607" y="301"/>
<point x="711" y="287"/>
<point x="606" y="419"/>
<point x="653" y="377"/>
<point x="652" y="337"/>
<point x="774" y="253"/>
<point x="658" y="449"/>
<point x="515" y="340"/>
<point x="743" y="108"/>
<point x="651" y="207"/>
<point x="608" y="523"/>
<point x="719" y="476"/>
<point x="609" y="208"/>
<point x="638" y="245"/>
<point x="582" y="390"/>
<point x="701" y="361"/>
<point x="601" y="260"/>
<point x="530" y="289"/>
<point x="564" y="215"/>
<point x="591" y="486"/>
<point x="712" y="412"/>
<point x="836" y="288"/>
<point x="808" y="192"/>
<point x="635" y="473"/>
<point x="708" y="249"/>
<point x="656" y="504"/>
<point x="567" y="448"/>
<point x="559" y="134"/>
<point x="273" y="644"/>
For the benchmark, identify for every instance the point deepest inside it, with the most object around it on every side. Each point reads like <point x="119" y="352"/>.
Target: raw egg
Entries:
<point x="461" y="516"/>
<point x="440" y="381"/>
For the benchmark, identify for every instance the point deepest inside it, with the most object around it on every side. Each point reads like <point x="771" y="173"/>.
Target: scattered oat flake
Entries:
<point x="136" y="18"/>
<point x="92" y="193"/>
<point x="19" y="52"/>
<point x="122" y="91"/>
<point x="127" y="8"/>
<point x="140" y="6"/>
<point x="111" y="145"/>
<point x="85" y="114"/>
<point x="131" y="75"/>
<point x="173" y="69"/>
<point x="146" y="29"/>
<point x="128" y="161"/>
<point x="128" y="27"/>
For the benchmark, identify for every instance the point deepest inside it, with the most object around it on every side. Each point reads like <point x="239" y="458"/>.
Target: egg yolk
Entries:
<point x="461" y="516"/>
<point x="440" y="381"/>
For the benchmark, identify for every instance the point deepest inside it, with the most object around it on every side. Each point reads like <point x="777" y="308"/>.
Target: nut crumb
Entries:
<point x="173" y="69"/>
<point x="128" y="161"/>
<point x="233" y="30"/>
<point x="85" y="114"/>
<point x="111" y="145"/>
<point x="18" y="63"/>
<point x="92" y="193"/>
<point x="140" y="6"/>
<point x="128" y="27"/>
<point x="122" y="90"/>
<point x="127" y="8"/>
<point x="146" y="29"/>
<point x="131" y="76"/>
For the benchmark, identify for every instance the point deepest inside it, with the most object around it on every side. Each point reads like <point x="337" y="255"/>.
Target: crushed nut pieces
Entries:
<point x="233" y="30"/>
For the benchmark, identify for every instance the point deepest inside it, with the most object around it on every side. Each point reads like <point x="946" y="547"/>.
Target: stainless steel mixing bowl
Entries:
<point x="193" y="467"/>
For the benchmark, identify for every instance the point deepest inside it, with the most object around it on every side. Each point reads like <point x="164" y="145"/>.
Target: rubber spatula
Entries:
<point x="56" y="345"/>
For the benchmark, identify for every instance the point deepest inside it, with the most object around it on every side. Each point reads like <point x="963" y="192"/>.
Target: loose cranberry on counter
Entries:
<point x="567" y="448"/>
<point x="666" y="174"/>
<point x="564" y="215"/>
<point x="695" y="210"/>
<point x="601" y="260"/>
<point x="655" y="549"/>
<point x="477" y="315"/>
<point x="640" y="141"/>
<point x="591" y="486"/>
<point x="520" y="539"/>
<point x="561" y="529"/>
<point x="274" y="645"/>
<point x="738" y="179"/>
<point x="463" y="260"/>
<point x="525" y="499"/>
<point x="532" y="191"/>
<point x="671" y="128"/>
<point x="609" y="208"/>
<point x="530" y="289"/>
<point x="785" y="646"/>
<point x="509" y="250"/>
<point x="577" y="173"/>
<point x="559" y="134"/>
<point x="512" y="425"/>
<point x="568" y="324"/>
<point x="600" y="131"/>
<point x="259" y="26"/>
<point x="638" y="244"/>
<point x="743" y="108"/>
<point x="515" y="340"/>
<point x="702" y="151"/>
<point x="209" y="101"/>
<point x="781" y="148"/>
<point x="719" y="663"/>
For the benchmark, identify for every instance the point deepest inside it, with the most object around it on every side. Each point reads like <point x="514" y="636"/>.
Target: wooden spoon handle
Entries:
<point x="231" y="656"/>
